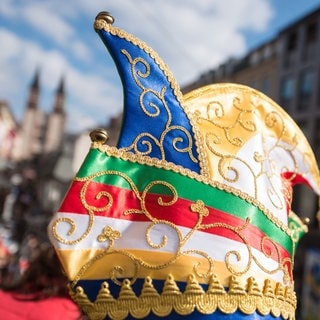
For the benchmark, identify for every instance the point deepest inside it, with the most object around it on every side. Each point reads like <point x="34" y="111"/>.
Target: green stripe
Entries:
<point x="187" y="188"/>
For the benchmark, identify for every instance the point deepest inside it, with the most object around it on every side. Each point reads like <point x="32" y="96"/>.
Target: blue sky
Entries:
<point x="191" y="36"/>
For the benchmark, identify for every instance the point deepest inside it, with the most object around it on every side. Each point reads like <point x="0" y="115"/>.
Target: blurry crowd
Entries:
<point x="14" y="257"/>
<point x="32" y="284"/>
<point x="22" y="233"/>
<point x="20" y="241"/>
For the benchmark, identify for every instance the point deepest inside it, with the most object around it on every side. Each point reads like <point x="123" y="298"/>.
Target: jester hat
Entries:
<point x="190" y="215"/>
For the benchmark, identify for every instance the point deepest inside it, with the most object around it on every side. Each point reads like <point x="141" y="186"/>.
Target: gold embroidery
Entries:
<point x="224" y="118"/>
<point x="145" y="139"/>
<point x="110" y="235"/>
<point x="101" y="24"/>
<point x="200" y="208"/>
<point x="248" y="298"/>
<point x="153" y="110"/>
<point x="297" y="227"/>
<point x="72" y="229"/>
<point x="122" y="154"/>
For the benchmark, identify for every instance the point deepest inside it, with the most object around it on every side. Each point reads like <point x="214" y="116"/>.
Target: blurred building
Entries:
<point x="287" y="69"/>
<point x="40" y="133"/>
<point x="33" y="152"/>
<point x="8" y="131"/>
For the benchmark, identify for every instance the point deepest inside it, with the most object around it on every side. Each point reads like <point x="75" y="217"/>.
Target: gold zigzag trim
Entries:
<point x="276" y="300"/>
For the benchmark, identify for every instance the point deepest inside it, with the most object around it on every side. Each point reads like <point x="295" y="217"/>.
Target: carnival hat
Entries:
<point x="190" y="215"/>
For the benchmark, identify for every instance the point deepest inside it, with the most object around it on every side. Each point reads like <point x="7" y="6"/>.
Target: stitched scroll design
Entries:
<point x="154" y="105"/>
<point x="229" y="130"/>
<point x="109" y="235"/>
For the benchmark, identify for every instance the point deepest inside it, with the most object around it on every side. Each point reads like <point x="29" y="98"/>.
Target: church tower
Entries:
<point x="33" y="99"/>
<point x="32" y="122"/>
<point x="56" y="121"/>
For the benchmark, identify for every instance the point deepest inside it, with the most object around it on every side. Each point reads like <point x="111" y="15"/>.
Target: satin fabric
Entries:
<point x="151" y="107"/>
<point x="216" y="316"/>
<point x="187" y="188"/>
<point x="178" y="213"/>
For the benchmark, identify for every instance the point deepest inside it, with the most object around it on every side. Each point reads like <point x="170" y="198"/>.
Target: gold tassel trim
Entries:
<point x="278" y="300"/>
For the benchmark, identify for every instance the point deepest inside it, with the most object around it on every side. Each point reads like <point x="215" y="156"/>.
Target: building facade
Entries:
<point x="8" y="131"/>
<point x="299" y="74"/>
<point x="38" y="133"/>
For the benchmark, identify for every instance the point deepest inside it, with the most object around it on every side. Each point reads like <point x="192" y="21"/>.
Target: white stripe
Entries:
<point x="268" y="185"/>
<point x="133" y="236"/>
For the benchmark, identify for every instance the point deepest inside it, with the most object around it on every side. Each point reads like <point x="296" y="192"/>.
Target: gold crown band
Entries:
<point x="278" y="300"/>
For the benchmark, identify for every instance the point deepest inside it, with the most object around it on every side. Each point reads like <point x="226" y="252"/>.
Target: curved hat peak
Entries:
<point x="154" y="123"/>
<point x="250" y="143"/>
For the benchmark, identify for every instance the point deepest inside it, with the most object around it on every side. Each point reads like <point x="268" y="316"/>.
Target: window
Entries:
<point x="290" y="52"/>
<point x="310" y="47"/>
<point x="306" y="81"/>
<point x="292" y="42"/>
<point x="286" y="91"/>
<point x="255" y="58"/>
<point x="311" y="33"/>
<point x="267" y="52"/>
<point x="265" y="86"/>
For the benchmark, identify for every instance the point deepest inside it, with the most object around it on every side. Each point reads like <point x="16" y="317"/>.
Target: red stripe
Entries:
<point x="178" y="213"/>
<point x="295" y="178"/>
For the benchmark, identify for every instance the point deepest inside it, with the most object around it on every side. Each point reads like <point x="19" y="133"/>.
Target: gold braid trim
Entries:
<point x="275" y="300"/>
<point x="101" y="24"/>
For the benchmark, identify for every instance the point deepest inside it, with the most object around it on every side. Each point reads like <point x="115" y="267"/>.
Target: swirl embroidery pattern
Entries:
<point x="109" y="235"/>
<point x="154" y="105"/>
<point x="249" y="143"/>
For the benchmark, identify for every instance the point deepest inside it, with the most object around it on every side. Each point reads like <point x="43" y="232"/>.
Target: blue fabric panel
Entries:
<point x="216" y="316"/>
<point x="153" y="91"/>
<point x="92" y="288"/>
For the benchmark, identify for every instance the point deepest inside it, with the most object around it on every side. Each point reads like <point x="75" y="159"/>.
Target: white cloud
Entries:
<point x="7" y="8"/>
<point x="191" y="37"/>
<point x="23" y="57"/>
<point x="53" y="22"/>
<point x="48" y="23"/>
<point x="89" y="92"/>
<point x="11" y="45"/>
<point x="80" y="50"/>
<point x="11" y="65"/>
<point x="93" y="96"/>
<point x="80" y="121"/>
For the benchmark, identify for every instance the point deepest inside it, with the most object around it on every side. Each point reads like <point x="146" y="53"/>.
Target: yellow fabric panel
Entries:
<point x="101" y="268"/>
<point x="226" y="116"/>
